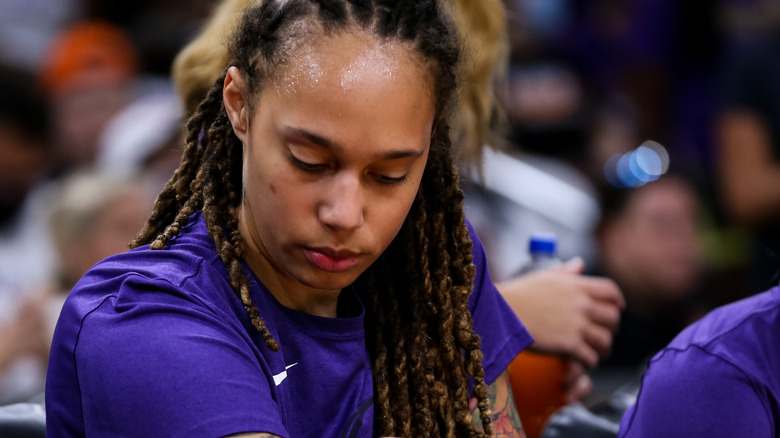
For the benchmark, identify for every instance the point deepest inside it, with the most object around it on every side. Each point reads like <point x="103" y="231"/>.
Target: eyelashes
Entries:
<point x="390" y="181"/>
<point x="316" y="168"/>
<point x="307" y="167"/>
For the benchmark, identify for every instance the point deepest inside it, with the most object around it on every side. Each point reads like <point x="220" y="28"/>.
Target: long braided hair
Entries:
<point x="418" y="328"/>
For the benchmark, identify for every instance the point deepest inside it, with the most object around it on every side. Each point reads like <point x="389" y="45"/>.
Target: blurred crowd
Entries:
<point x="90" y="129"/>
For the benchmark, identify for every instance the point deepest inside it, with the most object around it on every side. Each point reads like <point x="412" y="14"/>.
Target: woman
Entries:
<point x="569" y="314"/>
<point x="263" y="296"/>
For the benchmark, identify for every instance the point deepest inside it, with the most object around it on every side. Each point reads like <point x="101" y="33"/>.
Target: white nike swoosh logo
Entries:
<point x="279" y="378"/>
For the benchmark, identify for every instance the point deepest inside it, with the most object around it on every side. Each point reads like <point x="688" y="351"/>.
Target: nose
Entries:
<point x="343" y="205"/>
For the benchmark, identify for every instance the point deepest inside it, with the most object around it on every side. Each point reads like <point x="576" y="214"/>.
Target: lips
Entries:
<point x="332" y="260"/>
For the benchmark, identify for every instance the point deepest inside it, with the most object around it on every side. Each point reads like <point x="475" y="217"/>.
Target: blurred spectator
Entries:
<point x="89" y="73"/>
<point x="748" y="134"/>
<point x="26" y="255"/>
<point x="539" y="180"/>
<point x="649" y="243"/>
<point x="94" y="216"/>
<point x="510" y="193"/>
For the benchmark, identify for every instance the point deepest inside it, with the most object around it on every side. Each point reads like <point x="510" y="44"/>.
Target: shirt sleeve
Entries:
<point x="694" y="393"/>
<point x="169" y="366"/>
<point x="502" y="334"/>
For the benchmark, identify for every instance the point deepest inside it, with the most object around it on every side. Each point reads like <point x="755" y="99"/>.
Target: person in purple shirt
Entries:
<point x="308" y="270"/>
<point x="719" y="378"/>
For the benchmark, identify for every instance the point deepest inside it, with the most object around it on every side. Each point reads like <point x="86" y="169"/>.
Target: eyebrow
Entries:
<point x="327" y="143"/>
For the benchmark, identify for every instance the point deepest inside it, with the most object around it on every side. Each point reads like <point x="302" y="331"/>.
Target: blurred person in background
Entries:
<point x="748" y="141"/>
<point x="536" y="179"/>
<point x="90" y="73"/>
<point x="540" y="180"/>
<point x="515" y="189"/>
<point x="650" y="244"/>
<point x="94" y="216"/>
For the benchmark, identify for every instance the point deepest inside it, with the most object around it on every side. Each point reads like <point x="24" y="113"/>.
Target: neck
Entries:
<point x="287" y="290"/>
<point x="290" y="293"/>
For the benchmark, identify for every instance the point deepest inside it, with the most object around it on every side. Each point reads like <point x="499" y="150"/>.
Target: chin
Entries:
<point x="331" y="280"/>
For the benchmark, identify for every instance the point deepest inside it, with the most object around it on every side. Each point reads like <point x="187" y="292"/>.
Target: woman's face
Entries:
<point x="334" y="151"/>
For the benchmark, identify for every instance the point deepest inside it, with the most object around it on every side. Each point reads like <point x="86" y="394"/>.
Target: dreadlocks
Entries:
<point x="418" y="327"/>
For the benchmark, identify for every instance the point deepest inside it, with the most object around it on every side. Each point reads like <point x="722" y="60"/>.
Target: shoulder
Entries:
<point x="145" y="272"/>
<point x="749" y="324"/>
<point x="696" y="393"/>
<point x="189" y="264"/>
<point x="718" y="377"/>
<point x="187" y="279"/>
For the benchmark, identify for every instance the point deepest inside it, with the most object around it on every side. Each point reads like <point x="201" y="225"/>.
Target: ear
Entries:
<point x="233" y="95"/>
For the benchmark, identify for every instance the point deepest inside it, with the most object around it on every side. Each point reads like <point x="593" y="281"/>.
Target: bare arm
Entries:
<point x="506" y="420"/>
<point x="26" y="335"/>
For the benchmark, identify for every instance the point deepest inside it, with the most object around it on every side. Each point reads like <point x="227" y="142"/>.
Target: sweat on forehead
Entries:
<point x="355" y="58"/>
<point x="307" y="50"/>
<point x="275" y="36"/>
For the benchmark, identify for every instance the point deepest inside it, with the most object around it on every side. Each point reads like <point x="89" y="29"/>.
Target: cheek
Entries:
<point x="391" y="215"/>
<point x="275" y="199"/>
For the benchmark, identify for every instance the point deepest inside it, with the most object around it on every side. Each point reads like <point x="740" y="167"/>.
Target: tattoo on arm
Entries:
<point x="506" y="420"/>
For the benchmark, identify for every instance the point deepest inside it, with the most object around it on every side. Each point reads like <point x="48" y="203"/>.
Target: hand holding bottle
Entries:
<point x="568" y="313"/>
<point x="572" y="318"/>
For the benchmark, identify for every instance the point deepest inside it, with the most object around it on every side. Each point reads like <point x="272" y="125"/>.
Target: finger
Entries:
<point x="574" y="369"/>
<point x="599" y="338"/>
<point x="606" y="315"/>
<point x="581" y="388"/>
<point x="603" y="289"/>
<point x="575" y="265"/>
<point x="586" y="355"/>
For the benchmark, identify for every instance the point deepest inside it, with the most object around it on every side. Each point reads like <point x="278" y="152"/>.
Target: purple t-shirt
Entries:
<point x="719" y="378"/>
<point x="155" y="343"/>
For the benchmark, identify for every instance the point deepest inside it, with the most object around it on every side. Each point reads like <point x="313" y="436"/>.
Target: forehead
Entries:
<point x="663" y="198"/>
<point x="346" y="58"/>
<point x="354" y="91"/>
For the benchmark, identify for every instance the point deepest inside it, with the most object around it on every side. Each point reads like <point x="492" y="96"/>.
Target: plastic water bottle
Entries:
<point x="538" y="379"/>
<point x="543" y="249"/>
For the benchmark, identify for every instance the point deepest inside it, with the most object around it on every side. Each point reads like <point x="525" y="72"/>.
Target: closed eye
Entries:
<point x="306" y="166"/>
<point x="390" y="181"/>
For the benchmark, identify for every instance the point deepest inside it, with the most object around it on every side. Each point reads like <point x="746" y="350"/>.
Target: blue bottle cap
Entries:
<point x="544" y="243"/>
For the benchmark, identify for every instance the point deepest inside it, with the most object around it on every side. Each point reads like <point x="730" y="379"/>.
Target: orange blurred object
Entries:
<point x="88" y="49"/>
<point x="538" y="385"/>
